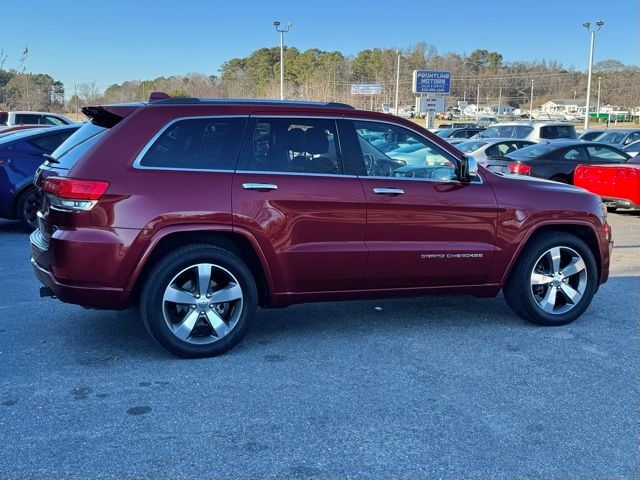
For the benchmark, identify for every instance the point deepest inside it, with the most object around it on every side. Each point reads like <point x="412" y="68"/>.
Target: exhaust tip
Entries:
<point x="46" y="292"/>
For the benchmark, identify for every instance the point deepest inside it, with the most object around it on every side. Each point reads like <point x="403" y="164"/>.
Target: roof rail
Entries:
<point x="246" y="101"/>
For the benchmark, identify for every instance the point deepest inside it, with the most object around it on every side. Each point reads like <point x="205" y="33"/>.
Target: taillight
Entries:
<point x="520" y="169"/>
<point x="72" y="193"/>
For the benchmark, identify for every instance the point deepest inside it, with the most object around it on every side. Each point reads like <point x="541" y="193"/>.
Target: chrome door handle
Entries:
<point x="261" y="187"/>
<point x="388" y="191"/>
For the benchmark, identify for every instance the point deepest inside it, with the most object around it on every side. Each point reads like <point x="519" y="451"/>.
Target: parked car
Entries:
<point x="20" y="155"/>
<point x="480" y="149"/>
<point x="462" y="133"/>
<point x="619" y="138"/>
<point x="486" y="121"/>
<point x="555" y="160"/>
<point x="17" y="128"/>
<point x="632" y="149"/>
<point x="618" y="184"/>
<point x="590" y="135"/>
<point x="200" y="210"/>
<point x="444" y="126"/>
<point x="10" y="119"/>
<point x="534" y="131"/>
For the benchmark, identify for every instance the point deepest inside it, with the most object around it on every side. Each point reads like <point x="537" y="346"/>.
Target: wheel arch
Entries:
<point x="238" y="243"/>
<point x="583" y="231"/>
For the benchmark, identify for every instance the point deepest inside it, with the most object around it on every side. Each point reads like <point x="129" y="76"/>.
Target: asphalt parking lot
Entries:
<point x="446" y="387"/>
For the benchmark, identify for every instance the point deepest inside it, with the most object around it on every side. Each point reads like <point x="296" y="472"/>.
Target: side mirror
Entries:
<point x="468" y="169"/>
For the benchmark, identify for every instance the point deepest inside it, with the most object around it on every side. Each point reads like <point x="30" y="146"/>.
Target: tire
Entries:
<point x="174" y="325"/>
<point x="560" y="179"/>
<point x="27" y="207"/>
<point x="527" y="299"/>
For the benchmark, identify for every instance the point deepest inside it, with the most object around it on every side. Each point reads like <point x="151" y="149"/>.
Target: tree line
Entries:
<point x="316" y="74"/>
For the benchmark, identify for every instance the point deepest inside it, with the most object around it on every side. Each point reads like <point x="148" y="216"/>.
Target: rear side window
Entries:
<point x="4" y="117"/>
<point x="68" y="153"/>
<point x="51" y="142"/>
<point x="197" y="143"/>
<point x="29" y="119"/>
<point x="297" y="145"/>
<point x="51" y="120"/>
<point x="576" y="155"/>
<point x="558" y="131"/>
<point x="605" y="154"/>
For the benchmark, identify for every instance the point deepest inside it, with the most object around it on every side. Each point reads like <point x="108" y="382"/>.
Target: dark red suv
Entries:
<point x="199" y="211"/>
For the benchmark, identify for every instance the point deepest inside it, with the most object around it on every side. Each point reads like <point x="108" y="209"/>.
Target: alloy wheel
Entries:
<point x="202" y="303"/>
<point x="559" y="280"/>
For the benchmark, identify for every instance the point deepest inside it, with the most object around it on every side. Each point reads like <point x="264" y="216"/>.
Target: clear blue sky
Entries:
<point x="113" y="41"/>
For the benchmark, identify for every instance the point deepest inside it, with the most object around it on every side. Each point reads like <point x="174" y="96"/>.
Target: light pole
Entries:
<point x="397" y="80"/>
<point x="75" y="94"/>
<point x="499" y="100"/>
<point x="598" y="104"/>
<point x="282" y="31"/>
<point x="531" y="103"/>
<point x="593" y="31"/>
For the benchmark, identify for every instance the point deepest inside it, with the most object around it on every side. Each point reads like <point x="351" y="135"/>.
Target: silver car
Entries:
<point x="482" y="148"/>
<point x="619" y="138"/>
<point x="534" y="131"/>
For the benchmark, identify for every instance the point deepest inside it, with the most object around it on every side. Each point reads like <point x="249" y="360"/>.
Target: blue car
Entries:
<point x="20" y="156"/>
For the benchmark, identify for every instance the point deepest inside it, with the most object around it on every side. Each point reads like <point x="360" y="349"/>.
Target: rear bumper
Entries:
<point x="92" y="297"/>
<point x="85" y="294"/>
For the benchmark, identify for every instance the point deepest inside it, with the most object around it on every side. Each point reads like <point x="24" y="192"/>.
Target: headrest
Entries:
<point x="317" y="141"/>
<point x="296" y="140"/>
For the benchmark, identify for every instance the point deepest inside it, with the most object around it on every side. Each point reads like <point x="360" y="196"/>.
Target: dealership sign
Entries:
<point x="431" y="81"/>
<point x="366" y="88"/>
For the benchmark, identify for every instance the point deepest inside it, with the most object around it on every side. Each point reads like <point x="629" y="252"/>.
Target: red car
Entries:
<point x="199" y="211"/>
<point x="618" y="184"/>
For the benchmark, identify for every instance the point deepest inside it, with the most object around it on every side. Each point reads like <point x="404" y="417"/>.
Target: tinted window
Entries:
<point x="506" y="131"/>
<point x="501" y="148"/>
<point x="197" y="143"/>
<point x="605" y="154"/>
<point x="4" y="117"/>
<point x="77" y="144"/>
<point x="634" y="147"/>
<point x="387" y="155"/>
<point x="446" y="133"/>
<point x="532" y="151"/>
<point x="29" y="119"/>
<point x="575" y="154"/>
<point x="632" y="138"/>
<point x="50" y="120"/>
<point x="297" y="145"/>
<point x="611" y="137"/>
<point x="470" y="146"/>
<point x="558" y="131"/>
<point x="51" y="142"/>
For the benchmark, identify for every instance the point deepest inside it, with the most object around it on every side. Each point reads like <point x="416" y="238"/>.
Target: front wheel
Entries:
<point x="199" y="301"/>
<point x="553" y="281"/>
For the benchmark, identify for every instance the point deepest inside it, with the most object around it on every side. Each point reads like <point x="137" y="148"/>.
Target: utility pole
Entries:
<point x="598" y="104"/>
<point x="282" y="31"/>
<point x="499" y="99"/>
<point x="397" y="80"/>
<point x="593" y="31"/>
<point x="531" y="103"/>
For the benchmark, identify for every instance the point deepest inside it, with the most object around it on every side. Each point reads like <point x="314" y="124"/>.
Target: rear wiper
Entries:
<point x="50" y="159"/>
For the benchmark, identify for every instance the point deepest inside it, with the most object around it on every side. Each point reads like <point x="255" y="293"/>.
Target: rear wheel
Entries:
<point x="27" y="208"/>
<point x="560" y="179"/>
<point x="199" y="301"/>
<point x="553" y="281"/>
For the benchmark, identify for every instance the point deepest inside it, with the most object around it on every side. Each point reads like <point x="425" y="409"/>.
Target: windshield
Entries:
<point x="506" y="131"/>
<point x="611" y="137"/>
<point x="76" y="145"/>
<point x="445" y="133"/>
<point x="470" y="146"/>
<point x="532" y="151"/>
